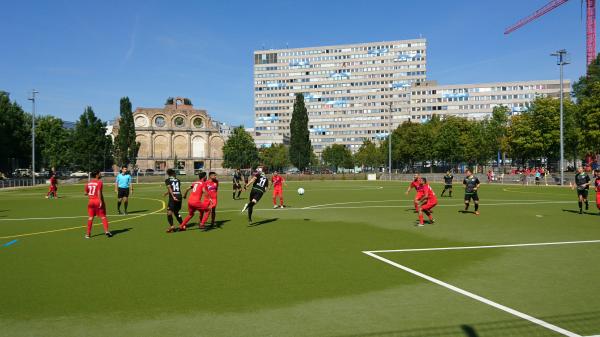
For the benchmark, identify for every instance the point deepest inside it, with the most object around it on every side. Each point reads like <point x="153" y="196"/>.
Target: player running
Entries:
<point x="278" y="182"/>
<point x="237" y="184"/>
<point x="416" y="184"/>
<point x="123" y="187"/>
<point x="427" y="202"/>
<point x="175" y="199"/>
<point x="471" y="183"/>
<point x="448" y="178"/>
<point x="195" y="202"/>
<point x="52" y="191"/>
<point x="212" y="186"/>
<point x="582" y="184"/>
<point x="96" y="205"/>
<point x="259" y="183"/>
<point x="597" y="185"/>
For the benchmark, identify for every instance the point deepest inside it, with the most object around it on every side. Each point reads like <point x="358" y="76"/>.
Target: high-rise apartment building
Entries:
<point x="345" y="88"/>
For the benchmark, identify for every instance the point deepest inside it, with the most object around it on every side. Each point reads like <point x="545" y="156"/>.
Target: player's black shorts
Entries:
<point x="447" y="186"/>
<point x="583" y="193"/>
<point x="473" y="196"/>
<point x="123" y="192"/>
<point x="256" y="195"/>
<point x="174" y="206"/>
<point x="237" y="186"/>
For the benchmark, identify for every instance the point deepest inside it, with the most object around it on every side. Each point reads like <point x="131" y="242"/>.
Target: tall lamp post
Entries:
<point x="390" y="141"/>
<point x="561" y="61"/>
<point x="32" y="99"/>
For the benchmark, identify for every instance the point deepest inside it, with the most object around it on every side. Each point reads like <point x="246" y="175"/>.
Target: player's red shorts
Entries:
<point x="53" y="188"/>
<point x="419" y="195"/>
<point x="94" y="209"/>
<point x="277" y="192"/>
<point x="201" y="206"/>
<point x="429" y="205"/>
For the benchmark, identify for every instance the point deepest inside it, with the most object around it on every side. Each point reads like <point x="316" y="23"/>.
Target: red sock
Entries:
<point x="274" y="201"/>
<point x="186" y="220"/>
<point x="89" y="227"/>
<point x="105" y="224"/>
<point x="204" y="217"/>
<point x="281" y="201"/>
<point x="421" y="218"/>
<point x="416" y="206"/>
<point x="430" y="217"/>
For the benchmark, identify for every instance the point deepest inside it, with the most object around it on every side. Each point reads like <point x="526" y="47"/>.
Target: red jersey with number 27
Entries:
<point x="430" y="194"/>
<point x="93" y="188"/>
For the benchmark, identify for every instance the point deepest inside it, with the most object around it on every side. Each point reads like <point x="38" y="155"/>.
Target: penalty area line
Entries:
<point x="476" y="297"/>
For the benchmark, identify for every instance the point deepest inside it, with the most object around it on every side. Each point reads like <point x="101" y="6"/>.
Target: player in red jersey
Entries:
<point x="195" y="202"/>
<point x="427" y="202"/>
<point x="212" y="187"/>
<point x="416" y="184"/>
<point x="52" y="191"/>
<point x="96" y="205"/>
<point x="597" y="184"/>
<point x="278" y="182"/>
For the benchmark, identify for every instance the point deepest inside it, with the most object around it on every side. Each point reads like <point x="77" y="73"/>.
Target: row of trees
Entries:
<point x="85" y="147"/>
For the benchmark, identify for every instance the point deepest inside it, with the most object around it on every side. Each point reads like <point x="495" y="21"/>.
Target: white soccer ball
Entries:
<point x="301" y="191"/>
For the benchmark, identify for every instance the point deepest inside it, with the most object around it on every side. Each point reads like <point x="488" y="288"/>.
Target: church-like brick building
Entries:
<point x="177" y="136"/>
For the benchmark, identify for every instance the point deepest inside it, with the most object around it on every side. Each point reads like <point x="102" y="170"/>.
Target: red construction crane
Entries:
<point x="590" y="20"/>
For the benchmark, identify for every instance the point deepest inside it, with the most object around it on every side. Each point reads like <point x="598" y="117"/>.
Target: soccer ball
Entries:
<point x="301" y="191"/>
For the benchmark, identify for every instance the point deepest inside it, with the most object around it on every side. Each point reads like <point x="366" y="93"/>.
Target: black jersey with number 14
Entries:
<point x="175" y="185"/>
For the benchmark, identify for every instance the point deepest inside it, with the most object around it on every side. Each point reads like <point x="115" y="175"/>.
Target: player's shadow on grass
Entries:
<point x="262" y="222"/>
<point x="577" y="212"/>
<point x="218" y="225"/>
<point x="115" y="232"/>
<point x="137" y="211"/>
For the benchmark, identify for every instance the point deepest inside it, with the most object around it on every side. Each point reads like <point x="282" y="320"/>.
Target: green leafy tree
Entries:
<point x="300" y="146"/>
<point x="338" y="156"/>
<point x="126" y="147"/>
<point x="275" y="157"/>
<point x="15" y="131"/>
<point x="584" y="86"/>
<point x="91" y="147"/>
<point x="368" y="155"/>
<point x="240" y="151"/>
<point x="589" y="116"/>
<point x="52" y="142"/>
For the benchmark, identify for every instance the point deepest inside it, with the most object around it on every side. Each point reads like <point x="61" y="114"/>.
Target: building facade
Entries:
<point x="360" y="92"/>
<point x="177" y="136"/>
<point x="346" y="88"/>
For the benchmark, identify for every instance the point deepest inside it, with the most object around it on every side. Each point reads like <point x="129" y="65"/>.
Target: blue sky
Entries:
<point x="79" y="53"/>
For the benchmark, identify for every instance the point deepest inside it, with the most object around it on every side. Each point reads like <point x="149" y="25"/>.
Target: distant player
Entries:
<point x="427" y="202"/>
<point x="448" y="178"/>
<point x="237" y="184"/>
<point x="582" y="184"/>
<point x="212" y="186"/>
<point x="123" y="187"/>
<point x="278" y="182"/>
<point x="471" y="183"/>
<point x="259" y="183"/>
<point x="96" y="205"/>
<point x="195" y="202"/>
<point x="416" y="184"/>
<point x="597" y="185"/>
<point x="52" y="190"/>
<point x="175" y="199"/>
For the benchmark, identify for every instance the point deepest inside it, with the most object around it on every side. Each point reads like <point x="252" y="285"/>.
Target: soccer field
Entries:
<point x="345" y="259"/>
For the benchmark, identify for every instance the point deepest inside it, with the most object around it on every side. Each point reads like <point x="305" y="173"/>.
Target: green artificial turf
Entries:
<point x="299" y="271"/>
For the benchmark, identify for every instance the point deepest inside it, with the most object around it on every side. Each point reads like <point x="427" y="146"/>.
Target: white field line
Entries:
<point x="477" y="297"/>
<point x="308" y="208"/>
<point x="406" y="200"/>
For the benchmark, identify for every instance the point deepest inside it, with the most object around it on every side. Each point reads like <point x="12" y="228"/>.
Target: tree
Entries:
<point x="584" y="87"/>
<point x="589" y="116"/>
<point x="300" y="146"/>
<point x="15" y="131"/>
<point x="126" y="147"/>
<point x="338" y="155"/>
<point x="52" y="142"/>
<point x="368" y="155"/>
<point x="240" y="151"/>
<point x="275" y="157"/>
<point x="91" y="147"/>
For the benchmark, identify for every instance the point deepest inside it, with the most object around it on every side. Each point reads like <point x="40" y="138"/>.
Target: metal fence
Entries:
<point x="21" y="182"/>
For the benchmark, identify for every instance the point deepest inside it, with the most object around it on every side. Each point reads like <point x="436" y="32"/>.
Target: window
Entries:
<point x="179" y="122"/>
<point x="159" y="121"/>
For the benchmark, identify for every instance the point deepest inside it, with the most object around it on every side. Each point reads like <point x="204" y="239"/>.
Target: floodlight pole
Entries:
<point x="561" y="61"/>
<point x="32" y="99"/>
<point x="390" y="141"/>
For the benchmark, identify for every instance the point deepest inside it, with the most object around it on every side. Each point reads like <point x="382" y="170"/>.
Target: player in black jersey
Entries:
<point x="237" y="183"/>
<point x="471" y="183"/>
<point x="259" y="183"/>
<point x="582" y="184"/>
<point x="174" y="191"/>
<point x="448" y="183"/>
